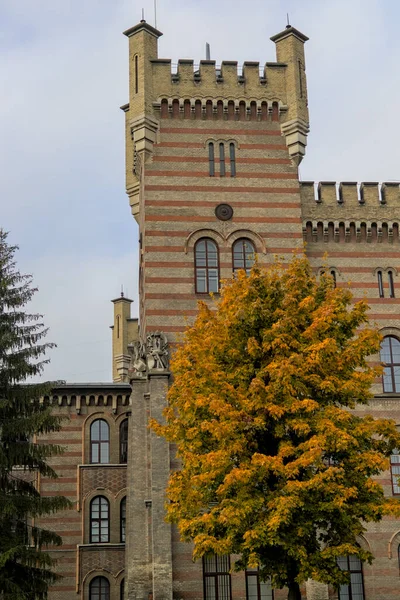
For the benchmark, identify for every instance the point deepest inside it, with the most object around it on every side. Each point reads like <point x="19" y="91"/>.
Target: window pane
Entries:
<point x="387" y="380"/>
<point x="213" y="280"/>
<point x="104" y="430"/>
<point x="223" y="587"/>
<point x="252" y="590"/>
<point x="385" y="350"/>
<point x="201" y="281"/>
<point x="396" y="372"/>
<point x="356" y="586"/>
<point x="395" y="349"/>
<point x="344" y="592"/>
<point x="95" y="430"/>
<point x="104" y="453"/>
<point x="354" y="563"/>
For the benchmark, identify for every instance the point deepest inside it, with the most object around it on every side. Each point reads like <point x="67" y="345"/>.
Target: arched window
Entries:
<point x="211" y="161"/>
<point x="122" y="590"/>
<point x="380" y="284"/>
<point x="123" y="441"/>
<point x="99" y="520"/>
<point x="99" y="589"/>
<point x="122" y="520"/>
<point x="355" y="590"/>
<point x="222" y="159"/>
<point x="390" y="356"/>
<point x="391" y="284"/>
<point x="243" y="255"/>
<point x="206" y="266"/>
<point x="100" y="442"/>
<point x="216" y="577"/>
<point x="232" y="159"/>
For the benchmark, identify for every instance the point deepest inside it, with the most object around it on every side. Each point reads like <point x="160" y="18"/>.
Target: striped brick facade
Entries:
<point x="174" y="189"/>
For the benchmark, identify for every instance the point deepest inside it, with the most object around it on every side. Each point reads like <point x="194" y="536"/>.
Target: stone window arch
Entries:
<point x="243" y="255"/>
<point x="99" y="589"/>
<point x="206" y="265"/>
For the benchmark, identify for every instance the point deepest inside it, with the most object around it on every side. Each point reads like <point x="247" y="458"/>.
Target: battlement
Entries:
<point x="349" y="211"/>
<point x="187" y="79"/>
<point x="350" y="193"/>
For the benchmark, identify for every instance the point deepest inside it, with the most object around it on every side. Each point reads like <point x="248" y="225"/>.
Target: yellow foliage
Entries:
<point x="275" y="465"/>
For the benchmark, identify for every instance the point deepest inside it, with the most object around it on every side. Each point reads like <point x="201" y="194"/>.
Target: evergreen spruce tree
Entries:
<point x="25" y="564"/>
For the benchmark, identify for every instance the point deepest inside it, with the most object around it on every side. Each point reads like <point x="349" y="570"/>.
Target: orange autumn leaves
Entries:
<point x="275" y="467"/>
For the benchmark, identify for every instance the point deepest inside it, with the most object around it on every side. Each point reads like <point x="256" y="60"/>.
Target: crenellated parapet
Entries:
<point x="350" y="211"/>
<point x="276" y="91"/>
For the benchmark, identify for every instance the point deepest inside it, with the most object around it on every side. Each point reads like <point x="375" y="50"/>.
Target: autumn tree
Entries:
<point x="25" y="564"/>
<point x="276" y="467"/>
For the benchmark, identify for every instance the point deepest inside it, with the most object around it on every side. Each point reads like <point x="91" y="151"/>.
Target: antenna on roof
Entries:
<point x="287" y="19"/>
<point x="208" y="53"/>
<point x="122" y="290"/>
<point x="143" y="19"/>
<point x="155" y="14"/>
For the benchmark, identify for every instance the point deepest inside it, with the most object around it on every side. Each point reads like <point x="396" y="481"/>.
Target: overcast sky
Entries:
<point x="64" y="75"/>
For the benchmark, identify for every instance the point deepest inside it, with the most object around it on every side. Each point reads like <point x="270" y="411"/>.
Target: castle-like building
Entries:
<point x="212" y="155"/>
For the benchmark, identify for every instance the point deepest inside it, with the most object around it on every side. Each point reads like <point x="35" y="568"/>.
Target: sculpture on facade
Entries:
<point x="152" y="355"/>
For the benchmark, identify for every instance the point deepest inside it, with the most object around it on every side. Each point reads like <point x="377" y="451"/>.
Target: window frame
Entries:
<point x="222" y="167"/>
<point x="206" y="267"/>
<point x="123" y="442"/>
<point x="211" y="159"/>
<point x="256" y="573"/>
<point x="122" y="520"/>
<point x="380" y="284"/>
<point x="99" y="520"/>
<point x="391" y="284"/>
<point x="349" y="585"/>
<point x="100" y="596"/>
<point x="232" y="158"/>
<point x="243" y="255"/>
<point x="390" y="366"/>
<point x="214" y="575"/>
<point x="98" y="443"/>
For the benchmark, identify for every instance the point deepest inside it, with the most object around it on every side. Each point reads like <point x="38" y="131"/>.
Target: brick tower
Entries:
<point x="211" y="171"/>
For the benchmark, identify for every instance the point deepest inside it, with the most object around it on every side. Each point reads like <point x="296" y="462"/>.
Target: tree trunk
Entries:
<point x="294" y="591"/>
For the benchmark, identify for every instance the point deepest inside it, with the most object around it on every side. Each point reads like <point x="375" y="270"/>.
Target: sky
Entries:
<point x="64" y="74"/>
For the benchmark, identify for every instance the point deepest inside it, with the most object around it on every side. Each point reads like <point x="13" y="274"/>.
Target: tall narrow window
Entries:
<point x="395" y="471"/>
<point x="222" y="159"/>
<point x="99" y="589"/>
<point x="390" y="356"/>
<point x="211" y="161"/>
<point x="391" y="284"/>
<point x="123" y="441"/>
<point x="333" y="275"/>
<point x="122" y="520"/>
<point x="206" y="266"/>
<point x="257" y="589"/>
<point x="99" y="442"/>
<point x="380" y="284"/>
<point x="122" y="590"/>
<point x="243" y="255"/>
<point x="99" y="520"/>
<point x="136" y="75"/>
<point x="232" y="159"/>
<point x="355" y="590"/>
<point x="216" y="577"/>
